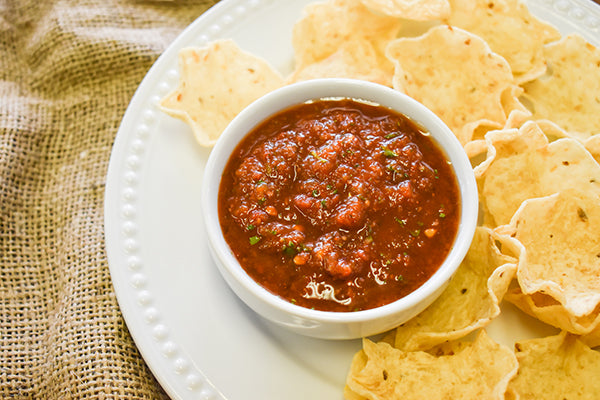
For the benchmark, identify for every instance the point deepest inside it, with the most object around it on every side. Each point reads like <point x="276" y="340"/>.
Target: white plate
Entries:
<point x="197" y="338"/>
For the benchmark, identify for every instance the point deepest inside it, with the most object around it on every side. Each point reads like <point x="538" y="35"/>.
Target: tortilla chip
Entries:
<point x="510" y="30"/>
<point x="549" y="310"/>
<point x="569" y="94"/>
<point x="348" y="62"/>
<point x="522" y="164"/>
<point x="517" y="113"/>
<point x="591" y="339"/>
<point x="552" y="131"/>
<point x="560" y="248"/>
<point x="516" y="119"/>
<point x="593" y="146"/>
<point x="350" y="395"/>
<point x="456" y="75"/>
<point x="477" y="370"/>
<point x="419" y="10"/>
<point x="216" y="83"/>
<point x="326" y="27"/>
<point x="556" y="368"/>
<point x="476" y="151"/>
<point x="470" y="301"/>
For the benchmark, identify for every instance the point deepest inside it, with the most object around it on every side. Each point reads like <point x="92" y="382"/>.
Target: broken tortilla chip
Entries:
<point x="470" y="301"/>
<point x="556" y="368"/>
<point x="477" y="370"/>
<point x="216" y="83"/>
<point x="456" y="75"/>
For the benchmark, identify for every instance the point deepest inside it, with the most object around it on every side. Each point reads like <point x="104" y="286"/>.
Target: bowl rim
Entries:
<point x="285" y="96"/>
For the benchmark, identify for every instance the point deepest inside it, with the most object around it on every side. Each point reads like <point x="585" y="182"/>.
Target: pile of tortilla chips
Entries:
<point x="525" y="103"/>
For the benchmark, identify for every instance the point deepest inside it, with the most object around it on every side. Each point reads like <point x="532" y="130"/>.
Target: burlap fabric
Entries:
<point x="68" y="71"/>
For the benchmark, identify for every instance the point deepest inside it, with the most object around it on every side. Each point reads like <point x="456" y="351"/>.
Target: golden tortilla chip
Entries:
<point x="350" y="395"/>
<point x="353" y="62"/>
<point x="593" y="146"/>
<point x="591" y="339"/>
<point x="560" y="248"/>
<point x="456" y="75"/>
<point x="552" y="131"/>
<point x="476" y="151"/>
<point x="516" y="119"/>
<point x="569" y="95"/>
<point x="517" y="113"/>
<point x="549" y="310"/>
<point x="470" y="301"/>
<point x="328" y="26"/>
<point x="477" y="370"/>
<point x="521" y="164"/>
<point x="556" y="368"/>
<point x="216" y="83"/>
<point x="418" y="10"/>
<point x="510" y="30"/>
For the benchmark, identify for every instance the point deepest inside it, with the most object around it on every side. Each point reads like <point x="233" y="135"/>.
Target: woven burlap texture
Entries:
<point x="68" y="71"/>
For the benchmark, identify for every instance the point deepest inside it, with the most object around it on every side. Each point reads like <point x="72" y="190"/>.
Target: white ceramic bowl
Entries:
<point x="325" y="324"/>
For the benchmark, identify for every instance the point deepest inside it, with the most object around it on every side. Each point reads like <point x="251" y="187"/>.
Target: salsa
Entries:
<point x="339" y="205"/>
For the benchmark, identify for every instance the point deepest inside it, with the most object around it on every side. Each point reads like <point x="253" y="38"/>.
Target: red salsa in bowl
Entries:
<point x="339" y="205"/>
